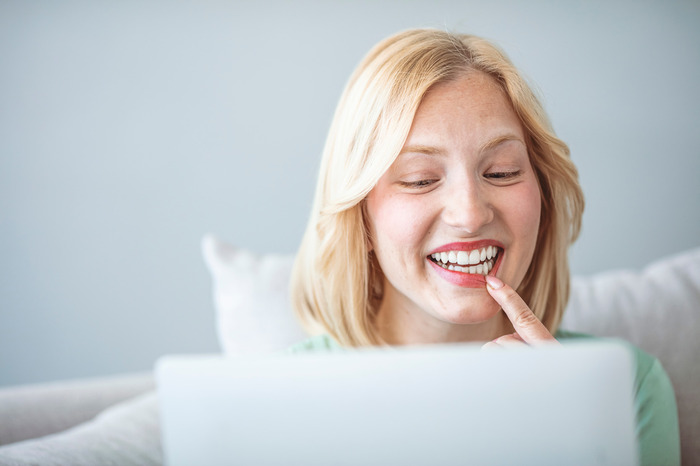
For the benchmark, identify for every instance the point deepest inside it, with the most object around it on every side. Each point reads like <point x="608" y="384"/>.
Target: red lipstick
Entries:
<point x="464" y="279"/>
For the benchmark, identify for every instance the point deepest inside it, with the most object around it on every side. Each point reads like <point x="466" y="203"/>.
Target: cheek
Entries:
<point x="396" y="221"/>
<point x="525" y="210"/>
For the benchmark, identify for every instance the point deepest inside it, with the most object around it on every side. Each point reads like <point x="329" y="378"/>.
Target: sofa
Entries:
<point x="114" y="420"/>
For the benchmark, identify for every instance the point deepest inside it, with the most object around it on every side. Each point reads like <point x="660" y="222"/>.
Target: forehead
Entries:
<point x="469" y="110"/>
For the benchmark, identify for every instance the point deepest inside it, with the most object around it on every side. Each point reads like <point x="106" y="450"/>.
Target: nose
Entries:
<point x="467" y="208"/>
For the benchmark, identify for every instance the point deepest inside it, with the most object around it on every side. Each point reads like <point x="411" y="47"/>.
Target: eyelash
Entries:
<point x="498" y="176"/>
<point x="417" y="184"/>
<point x="502" y="175"/>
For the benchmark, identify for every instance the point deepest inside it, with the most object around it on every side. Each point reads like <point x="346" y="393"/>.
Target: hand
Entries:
<point x="528" y="328"/>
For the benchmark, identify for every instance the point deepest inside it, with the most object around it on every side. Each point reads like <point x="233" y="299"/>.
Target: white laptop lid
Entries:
<point x="432" y="405"/>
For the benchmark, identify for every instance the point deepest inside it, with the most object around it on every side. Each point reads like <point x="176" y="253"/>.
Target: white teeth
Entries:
<point x="463" y="258"/>
<point x="481" y="269"/>
<point x="474" y="257"/>
<point x="477" y="261"/>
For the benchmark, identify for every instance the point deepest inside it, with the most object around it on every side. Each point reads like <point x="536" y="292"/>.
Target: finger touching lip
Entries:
<point x="524" y="321"/>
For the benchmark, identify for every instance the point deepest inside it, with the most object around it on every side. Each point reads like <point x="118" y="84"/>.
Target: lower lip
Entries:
<point x="466" y="280"/>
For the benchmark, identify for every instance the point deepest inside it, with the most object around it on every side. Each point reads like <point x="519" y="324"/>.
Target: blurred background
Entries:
<point x="130" y="129"/>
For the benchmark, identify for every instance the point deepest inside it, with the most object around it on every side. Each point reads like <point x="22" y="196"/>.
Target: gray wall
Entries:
<point x="129" y="129"/>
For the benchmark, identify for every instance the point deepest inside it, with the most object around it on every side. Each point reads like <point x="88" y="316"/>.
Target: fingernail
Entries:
<point x="493" y="282"/>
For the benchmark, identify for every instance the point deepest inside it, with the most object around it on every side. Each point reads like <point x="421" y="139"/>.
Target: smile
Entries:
<point x="476" y="261"/>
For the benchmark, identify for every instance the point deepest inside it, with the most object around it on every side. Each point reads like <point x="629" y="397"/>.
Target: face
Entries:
<point x="460" y="201"/>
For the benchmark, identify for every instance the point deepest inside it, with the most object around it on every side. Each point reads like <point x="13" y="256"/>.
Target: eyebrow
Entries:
<point x="488" y="145"/>
<point x="497" y="141"/>
<point x="420" y="149"/>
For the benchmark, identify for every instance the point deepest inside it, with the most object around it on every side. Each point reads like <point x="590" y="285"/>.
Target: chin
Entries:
<point x="474" y="314"/>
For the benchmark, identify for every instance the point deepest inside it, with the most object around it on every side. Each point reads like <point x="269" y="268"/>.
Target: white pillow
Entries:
<point x="251" y="299"/>
<point x="656" y="308"/>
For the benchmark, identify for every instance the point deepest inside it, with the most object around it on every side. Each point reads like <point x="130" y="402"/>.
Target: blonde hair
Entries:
<point x="336" y="281"/>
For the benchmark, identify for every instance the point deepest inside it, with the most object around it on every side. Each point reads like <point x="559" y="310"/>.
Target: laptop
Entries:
<point x="427" y="405"/>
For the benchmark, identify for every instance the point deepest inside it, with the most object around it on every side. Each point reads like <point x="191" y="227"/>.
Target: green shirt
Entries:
<point x="655" y="403"/>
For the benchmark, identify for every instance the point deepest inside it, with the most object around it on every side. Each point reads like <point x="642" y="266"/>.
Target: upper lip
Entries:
<point x="468" y="246"/>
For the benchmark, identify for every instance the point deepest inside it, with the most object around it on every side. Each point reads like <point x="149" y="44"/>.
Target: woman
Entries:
<point x="443" y="212"/>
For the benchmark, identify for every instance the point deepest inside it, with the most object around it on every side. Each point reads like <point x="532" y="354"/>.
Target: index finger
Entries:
<point x="524" y="321"/>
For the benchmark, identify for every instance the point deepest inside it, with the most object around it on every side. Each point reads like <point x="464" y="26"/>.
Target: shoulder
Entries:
<point x="317" y="343"/>
<point x="654" y="401"/>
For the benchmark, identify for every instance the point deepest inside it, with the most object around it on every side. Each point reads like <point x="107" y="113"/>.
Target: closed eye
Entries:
<point x="416" y="184"/>
<point x="502" y="176"/>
